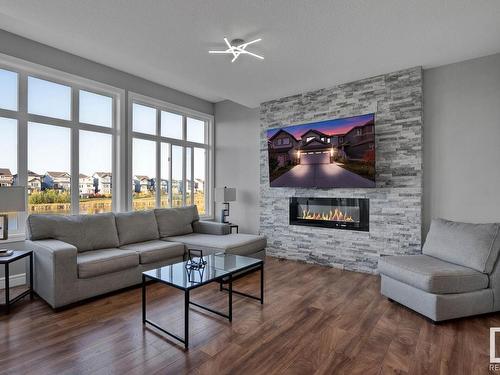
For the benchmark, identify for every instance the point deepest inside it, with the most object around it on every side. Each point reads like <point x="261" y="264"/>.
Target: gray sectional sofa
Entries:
<point x="81" y="256"/>
<point x="457" y="275"/>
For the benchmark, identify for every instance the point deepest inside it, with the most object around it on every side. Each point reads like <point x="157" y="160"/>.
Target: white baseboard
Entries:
<point x="15" y="280"/>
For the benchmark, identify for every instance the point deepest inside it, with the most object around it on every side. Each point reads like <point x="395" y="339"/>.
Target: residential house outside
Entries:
<point x="6" y="177"/>
<point x="34" y="182"/>
<point x="177" y="186"/>
<point x="103" y="183"/>
<point x="199" y="185"/>
<point x="86" y="186"/>
<point x="57" y="181"/>
<point x="143" y="184"/>
<point x="163" y="185"/>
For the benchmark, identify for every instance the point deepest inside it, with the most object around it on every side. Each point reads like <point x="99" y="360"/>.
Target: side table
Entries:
<point x="231" y="226"/>
<point x="6" y="261"/>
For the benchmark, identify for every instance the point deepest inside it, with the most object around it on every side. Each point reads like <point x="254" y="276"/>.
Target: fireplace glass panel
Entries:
<point x="340" y="213"/>
<point x="311" y="211"/>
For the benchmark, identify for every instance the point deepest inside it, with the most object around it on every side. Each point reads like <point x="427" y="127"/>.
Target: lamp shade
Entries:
<point x="225" y="194"/>
<point x="12" y="199"/>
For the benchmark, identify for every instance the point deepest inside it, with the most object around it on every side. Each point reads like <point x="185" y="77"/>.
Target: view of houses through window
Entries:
<point x="8" y="156"/>
<point x="60" y="118"/>
<point x="49" y="173"/>
<point x="179" y="143"/>
<point x="58" y="136"/>
<point x="96" y="178"/>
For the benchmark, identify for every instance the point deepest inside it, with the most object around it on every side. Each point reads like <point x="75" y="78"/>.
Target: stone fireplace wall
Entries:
<point x="396" y="202"/>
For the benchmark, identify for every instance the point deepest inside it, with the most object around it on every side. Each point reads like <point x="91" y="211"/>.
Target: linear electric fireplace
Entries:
<point x="340" y="213"/>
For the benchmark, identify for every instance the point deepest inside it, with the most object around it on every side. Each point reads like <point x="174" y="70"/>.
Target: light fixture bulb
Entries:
<point x="236" y="48"/>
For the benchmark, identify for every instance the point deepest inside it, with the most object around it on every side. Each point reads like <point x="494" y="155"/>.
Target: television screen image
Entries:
<point x="337" y="153"/>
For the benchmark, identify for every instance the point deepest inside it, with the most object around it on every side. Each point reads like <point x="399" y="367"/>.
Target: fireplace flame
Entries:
<point x="335" y="215"/>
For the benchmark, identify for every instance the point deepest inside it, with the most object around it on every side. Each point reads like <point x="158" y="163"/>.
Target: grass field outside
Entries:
<point x="62" y="205"/>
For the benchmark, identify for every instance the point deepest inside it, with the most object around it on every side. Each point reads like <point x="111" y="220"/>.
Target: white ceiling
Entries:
<point x="307" y="44"/>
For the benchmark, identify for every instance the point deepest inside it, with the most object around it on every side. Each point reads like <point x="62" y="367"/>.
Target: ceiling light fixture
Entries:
<point x="238" y="47"/>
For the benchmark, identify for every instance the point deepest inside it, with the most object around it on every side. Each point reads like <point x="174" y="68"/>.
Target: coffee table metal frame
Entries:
<point x="224" y="279"/>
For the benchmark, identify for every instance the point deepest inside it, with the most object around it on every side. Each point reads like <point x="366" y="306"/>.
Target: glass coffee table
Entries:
<point x="220" y="267"/>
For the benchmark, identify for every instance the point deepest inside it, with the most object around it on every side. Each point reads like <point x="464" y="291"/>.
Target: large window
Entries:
<point x="58" y="135"/>
<point x="171" y="156"/>
<point x="65" y="138"/>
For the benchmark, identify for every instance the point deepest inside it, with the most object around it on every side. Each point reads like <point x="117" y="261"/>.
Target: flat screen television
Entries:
<point x="338" y="153"/>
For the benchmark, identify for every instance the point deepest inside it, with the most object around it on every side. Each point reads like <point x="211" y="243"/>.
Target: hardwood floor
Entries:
<point x="315" y="320"/>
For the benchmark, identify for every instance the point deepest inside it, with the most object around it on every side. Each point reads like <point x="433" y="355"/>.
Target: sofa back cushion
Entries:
<point x="136" y="227"/>
<point x="85" y="232"/>
<point x="176" y="221"/>
<point x="471" y="245"/>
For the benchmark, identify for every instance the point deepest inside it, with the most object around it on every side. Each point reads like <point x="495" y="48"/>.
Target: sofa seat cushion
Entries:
<point x="136" y="226"/>
<point x="431" y="274"/>
<point x="238" y="244"/>
<point x="156" y="250"/>
<point x="100" y="262"/>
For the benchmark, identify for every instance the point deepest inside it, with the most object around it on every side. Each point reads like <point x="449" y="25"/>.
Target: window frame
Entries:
<point x="160" y="106"/>
<point x="25" y="69"/>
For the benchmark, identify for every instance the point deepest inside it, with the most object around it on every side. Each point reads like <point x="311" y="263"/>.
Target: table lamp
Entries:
<point x="12" y="199"/>
<point x="225" y="195"/>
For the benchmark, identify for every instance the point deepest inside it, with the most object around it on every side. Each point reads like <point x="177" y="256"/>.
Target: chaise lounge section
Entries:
<point x="457" y="275"/>
<point x="81" y="256"/>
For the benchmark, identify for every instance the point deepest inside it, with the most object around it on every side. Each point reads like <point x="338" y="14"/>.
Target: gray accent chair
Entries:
<point x="81" y="256"/>
<point x="457" y="274"/>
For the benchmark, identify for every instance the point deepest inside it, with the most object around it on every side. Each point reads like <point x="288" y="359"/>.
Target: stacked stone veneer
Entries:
<point x="395" y="204"/>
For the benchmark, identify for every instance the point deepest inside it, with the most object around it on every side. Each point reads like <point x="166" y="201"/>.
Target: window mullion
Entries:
<point x="75" y="153"/>
<point x="207" y="190"/>
<point x="170" y="185"/>
<point x="158" y="160"/>
<point x="7" y="113"/>
<point x="115" y="158"/>
<point x="192" y="175"/>
<point x="184" y="182"/>
<point x="22" y="142"/>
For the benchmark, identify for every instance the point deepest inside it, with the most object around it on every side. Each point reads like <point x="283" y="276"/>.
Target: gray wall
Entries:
<point x="462" y="141"/>
<point x="17" y="46"/>
<point x="237" y="161"/>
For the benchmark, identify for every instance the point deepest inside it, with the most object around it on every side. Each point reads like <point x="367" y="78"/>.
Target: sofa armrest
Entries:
<point x="211" y="227"/>
<point x="55" y="272"/>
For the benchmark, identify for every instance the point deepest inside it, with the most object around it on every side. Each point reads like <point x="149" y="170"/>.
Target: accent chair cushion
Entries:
<point x="176" y="221"/>
<point x="156" y="250"/>
<point x="138" y="226"/>
<point x="237" y="243"/>
<point x="101" y="262"/>
<point x="85" y="232"/>
<point x="469" y="245"/>
<point x="431" y="274"/>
